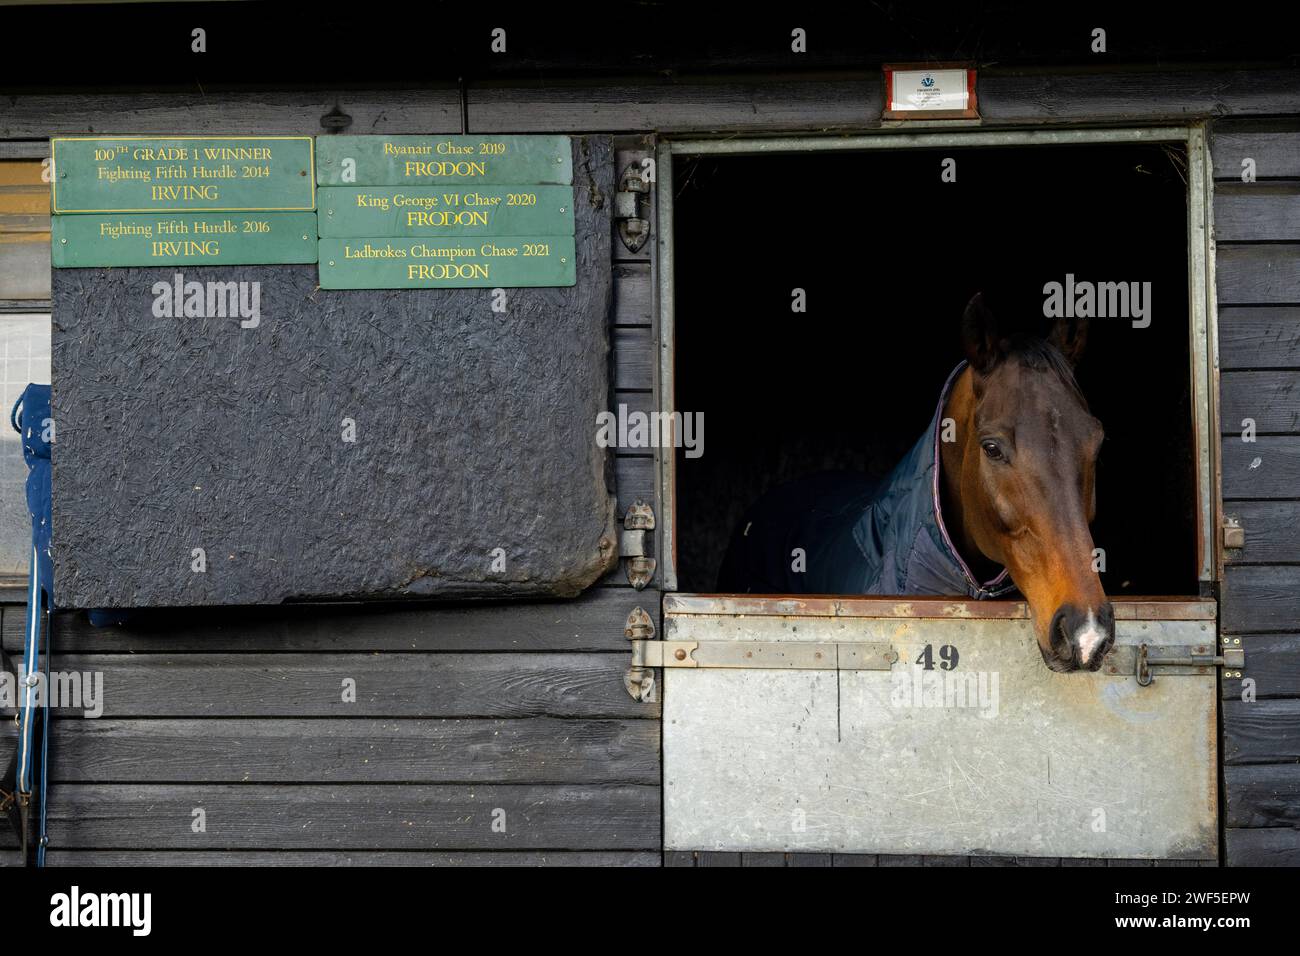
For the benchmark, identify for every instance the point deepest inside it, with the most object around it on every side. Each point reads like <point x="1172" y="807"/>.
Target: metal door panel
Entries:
<point x="1029" y="762"/>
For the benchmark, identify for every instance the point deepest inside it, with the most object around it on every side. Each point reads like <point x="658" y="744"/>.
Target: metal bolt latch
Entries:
<point x="1144" y="677"/>
<point x="1234" y="535"/>
<point x="1183" y="659"/>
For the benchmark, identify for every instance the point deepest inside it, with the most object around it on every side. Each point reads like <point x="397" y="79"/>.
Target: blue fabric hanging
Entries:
<point x="32" y="420"/>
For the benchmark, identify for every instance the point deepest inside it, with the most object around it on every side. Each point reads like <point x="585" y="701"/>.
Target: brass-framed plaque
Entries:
<point x="436" y="160"/>
<point x="130" y="174"/>
<point x="446" y="210"/>
<point x="436" y="263"/>
<point x="183" y="238"/>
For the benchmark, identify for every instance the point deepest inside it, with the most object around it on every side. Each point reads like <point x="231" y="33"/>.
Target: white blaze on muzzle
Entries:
<point x="1089" y="637"/>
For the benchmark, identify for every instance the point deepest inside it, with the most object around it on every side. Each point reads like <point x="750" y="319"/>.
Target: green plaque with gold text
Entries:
<point x="446" y="210"/>
<point x="176" y="238"/>
<point x="435" y="263"/>
<point x="435" y="160"/>
<point x="189" y="173"/>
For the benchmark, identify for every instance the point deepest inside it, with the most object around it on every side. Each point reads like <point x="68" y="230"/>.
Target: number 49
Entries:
<point x="948" y="657"/>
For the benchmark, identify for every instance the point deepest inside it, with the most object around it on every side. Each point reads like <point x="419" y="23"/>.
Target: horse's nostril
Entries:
<point x="1058" y="633"/>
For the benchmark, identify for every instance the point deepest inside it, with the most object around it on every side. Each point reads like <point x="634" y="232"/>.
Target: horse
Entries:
<point x="996" y="495"/>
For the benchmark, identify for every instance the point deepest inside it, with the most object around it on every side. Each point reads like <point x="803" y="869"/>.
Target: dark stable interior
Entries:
<point x="888" y="256"/>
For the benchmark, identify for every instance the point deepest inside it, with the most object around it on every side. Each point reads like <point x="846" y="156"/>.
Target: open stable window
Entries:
<point x="821" y="341"/>
<point x="885" y="257"/>
<point x="24" y="339"/>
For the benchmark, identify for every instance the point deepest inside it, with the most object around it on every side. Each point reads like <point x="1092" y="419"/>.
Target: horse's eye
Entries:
<point x="993" y="450"/>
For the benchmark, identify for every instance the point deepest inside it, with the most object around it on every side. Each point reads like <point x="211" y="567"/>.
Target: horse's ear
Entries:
<point x="984" y="341"/>
<point x="1070" y="336"/>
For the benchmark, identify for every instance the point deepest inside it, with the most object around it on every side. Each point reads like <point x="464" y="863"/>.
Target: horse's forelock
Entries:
<point x="1039" y="354"/>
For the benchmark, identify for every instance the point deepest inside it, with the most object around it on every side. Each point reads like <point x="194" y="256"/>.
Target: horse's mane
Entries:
<point x="1038" y="353"/>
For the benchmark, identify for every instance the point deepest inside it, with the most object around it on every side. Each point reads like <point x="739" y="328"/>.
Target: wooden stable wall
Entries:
<point x="460" y="711"/>
<point x="1257" y="229"/>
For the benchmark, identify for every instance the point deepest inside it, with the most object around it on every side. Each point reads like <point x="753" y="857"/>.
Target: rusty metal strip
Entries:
<point x="1126" y="609"/>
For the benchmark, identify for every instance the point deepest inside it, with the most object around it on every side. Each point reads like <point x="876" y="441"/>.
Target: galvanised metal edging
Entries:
<point x="929" y="140"/>
<point x="1199" y="348"/>
<point x="667" y="461"/>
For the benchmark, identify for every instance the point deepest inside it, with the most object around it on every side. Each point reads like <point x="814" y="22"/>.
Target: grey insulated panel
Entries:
<point x="474" y="431"/>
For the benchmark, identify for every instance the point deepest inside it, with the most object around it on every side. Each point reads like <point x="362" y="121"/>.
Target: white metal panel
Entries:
<point x="1030" y="763"/>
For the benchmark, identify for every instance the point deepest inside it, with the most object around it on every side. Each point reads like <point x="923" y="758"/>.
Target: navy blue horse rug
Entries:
<point x="859" y="535"/>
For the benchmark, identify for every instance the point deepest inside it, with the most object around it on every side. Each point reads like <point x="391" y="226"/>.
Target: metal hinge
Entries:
<point x="633" y="227"/>
<point x="640" y="677"/>
<point x="635" y="545"/>
<point x="1234" y="535"/>
<point x="768" y="655"/>
<point x="1148" y="661"/>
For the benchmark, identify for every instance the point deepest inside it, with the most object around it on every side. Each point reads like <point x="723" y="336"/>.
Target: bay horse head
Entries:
<point x="1020" y="479"/>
